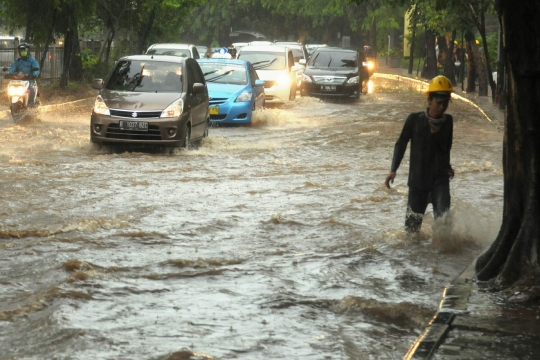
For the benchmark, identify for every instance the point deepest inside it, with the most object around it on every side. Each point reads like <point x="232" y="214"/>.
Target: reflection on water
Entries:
<point x="276" y="240"/>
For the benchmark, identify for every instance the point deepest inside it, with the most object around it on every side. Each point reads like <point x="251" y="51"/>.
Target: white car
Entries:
<point x="275" y="65"/>
<point x="301" y="56"/>
<point x="182" y="50"/>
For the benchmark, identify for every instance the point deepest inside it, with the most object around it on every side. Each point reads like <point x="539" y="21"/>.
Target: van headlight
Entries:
<point x="174" y="110"/>
<point x="283" y="80"/>
<point x="243" y="97"/>
<point x="353" y="80"/>
<point x="100" y="107"/>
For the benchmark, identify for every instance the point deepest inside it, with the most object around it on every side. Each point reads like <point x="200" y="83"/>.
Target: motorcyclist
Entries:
<point x="27" y="65"/>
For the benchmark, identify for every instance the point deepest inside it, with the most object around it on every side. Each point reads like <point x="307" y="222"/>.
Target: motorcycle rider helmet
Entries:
<point x="24" y="50"/>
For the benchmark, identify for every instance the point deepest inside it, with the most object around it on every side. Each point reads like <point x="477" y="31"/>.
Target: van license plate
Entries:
<point x="133" y="125"/>
<point x="328" y="87"/>
<point x="214" y="110"/>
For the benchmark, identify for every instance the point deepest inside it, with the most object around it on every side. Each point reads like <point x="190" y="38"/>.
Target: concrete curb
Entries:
<point x="425" y="84"/>
<point x="454" y="302"/>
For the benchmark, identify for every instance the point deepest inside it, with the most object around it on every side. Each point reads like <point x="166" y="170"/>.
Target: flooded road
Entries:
<point x="275" y="241"/>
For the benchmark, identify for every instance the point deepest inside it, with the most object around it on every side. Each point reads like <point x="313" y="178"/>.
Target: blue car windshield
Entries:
<point x="146" y="76"/>
<point x="327" y="59"/>
<point x="223" y="73"/>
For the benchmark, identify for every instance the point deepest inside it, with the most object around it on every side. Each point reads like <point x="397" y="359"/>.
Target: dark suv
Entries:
<point x="335" y="72"/>
<point x="149" y="99"/>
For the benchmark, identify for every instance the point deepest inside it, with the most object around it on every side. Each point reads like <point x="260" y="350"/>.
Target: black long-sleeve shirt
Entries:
<point x="430" y="152"/>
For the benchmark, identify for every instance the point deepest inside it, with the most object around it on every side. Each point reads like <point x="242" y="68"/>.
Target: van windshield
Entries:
<point x="264" y="60"/>
<point x="146" y="76"/>
<point x="327" y="59"/>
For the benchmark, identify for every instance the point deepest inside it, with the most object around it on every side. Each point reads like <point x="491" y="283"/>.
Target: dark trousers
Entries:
<point x="418" y="201"/>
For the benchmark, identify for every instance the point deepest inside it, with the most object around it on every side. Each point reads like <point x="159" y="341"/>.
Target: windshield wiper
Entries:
<point x="220" y="76"/>
<point x="210" y="72"/>
<point x="266" y="65"/>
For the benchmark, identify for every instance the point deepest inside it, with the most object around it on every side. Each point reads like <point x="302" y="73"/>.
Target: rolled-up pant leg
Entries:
<point x="440" y="199"/>
<point x="416" y="207"/>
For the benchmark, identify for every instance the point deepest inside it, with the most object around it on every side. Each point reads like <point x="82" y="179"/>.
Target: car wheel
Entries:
<point x="292" y="95"/>
<point x="187" y="138"/>
<point x="207" y="128"/>
<point x="364" y="87"/>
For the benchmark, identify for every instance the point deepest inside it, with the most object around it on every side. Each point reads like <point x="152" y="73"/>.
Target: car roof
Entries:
<point x="171" y="46"/>
<point x="332" y="48"/>
<point x="268" y="48"/>
<point x="218" y="60"/>
<point x="163" y="58"/>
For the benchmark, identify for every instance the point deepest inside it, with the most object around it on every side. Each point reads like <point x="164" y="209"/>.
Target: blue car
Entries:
<point x="234" y="88"/>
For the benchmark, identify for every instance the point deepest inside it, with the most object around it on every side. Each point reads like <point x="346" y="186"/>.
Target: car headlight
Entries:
<point x="100" y="107"/>
<point x="306" y="78"/>
<point x="284" y="80"/>
<point x="174" y="110"/>
<point x="353" y="80"/>
<point x="16" y="90"/>
<point x="245" y="96"/>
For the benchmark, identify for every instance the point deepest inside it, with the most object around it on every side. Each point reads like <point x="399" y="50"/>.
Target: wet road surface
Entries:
<point x="273" y="241"/>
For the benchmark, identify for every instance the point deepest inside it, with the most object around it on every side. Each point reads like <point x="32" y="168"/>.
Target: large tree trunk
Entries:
<point x="413" y="22"/>
<point x="471" y="63"/>
<point x="430" y="66"/>
<point x="446" y="56"/>
<point x="68" y="50"/>
<point x="513" y="257"/>
<point x="144" y="31"/>
<point x="486" y="56"/>
<point x="76" y="70"/>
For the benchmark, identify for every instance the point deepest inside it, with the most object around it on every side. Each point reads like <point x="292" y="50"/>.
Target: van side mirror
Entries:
<point x="198" y="88"/>
<point x="259" y="82"/>
<point x="97" y="84"/>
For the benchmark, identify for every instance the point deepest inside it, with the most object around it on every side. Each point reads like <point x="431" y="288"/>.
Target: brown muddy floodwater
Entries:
<point x="275" y="241"/>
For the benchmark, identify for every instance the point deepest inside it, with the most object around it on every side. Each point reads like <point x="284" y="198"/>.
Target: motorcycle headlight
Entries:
<point x="243" y="97"/>
<point x="16" y="91"/>
<point x="100" y="107"/>
<point x="174" y="110"/>
<point x="353" y="80"/>
<point x="370" y="65"/>
<point x="284" y="80"/>
<point x="306" y="78"/>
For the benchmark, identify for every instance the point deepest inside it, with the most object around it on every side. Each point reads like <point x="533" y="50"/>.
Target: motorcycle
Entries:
<point x="18" y="91"/>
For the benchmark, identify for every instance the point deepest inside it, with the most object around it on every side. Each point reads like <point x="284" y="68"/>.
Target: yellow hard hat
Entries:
<point x="477" y="42"/>
<point x="455" y="42"/>
<point x="440" y="84"/>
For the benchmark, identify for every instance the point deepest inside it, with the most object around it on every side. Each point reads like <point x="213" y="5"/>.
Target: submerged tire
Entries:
<point x="187" y="138"/>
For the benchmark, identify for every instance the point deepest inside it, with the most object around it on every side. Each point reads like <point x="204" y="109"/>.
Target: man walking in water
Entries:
<point x="430" y="133"/>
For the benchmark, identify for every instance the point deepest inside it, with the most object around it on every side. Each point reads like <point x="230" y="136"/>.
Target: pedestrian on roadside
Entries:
<point x="430" y="133"/>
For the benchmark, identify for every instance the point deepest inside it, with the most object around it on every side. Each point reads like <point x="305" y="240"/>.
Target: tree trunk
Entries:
<point x="446" y="56"/>
<point x="144" y="31"/>
<point x="68" y="50"/>
<point x="374" y="37"/>
<point x="489" y="74"/>
<point x="471" y="64"/>
<point x="414" y="21"/>
<point x="513" y="257"/>
<point x="50" y="39"/>
<point x="109" y="43"/>
<point x="430" y="67"/>
<point x="76" y="71"/>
